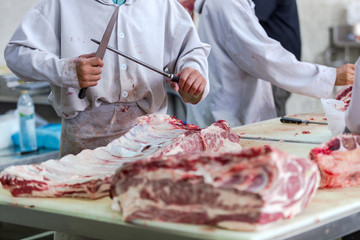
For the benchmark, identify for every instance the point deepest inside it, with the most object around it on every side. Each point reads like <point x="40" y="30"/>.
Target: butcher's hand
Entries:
<point x="345" y="75"/>
<point x="191" y="85"/>
<point x="88" y="68"/>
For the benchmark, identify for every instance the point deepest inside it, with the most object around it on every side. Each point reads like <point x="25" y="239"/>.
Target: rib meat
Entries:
<point x="89" y="174"/>
<point x="247" y="190"/>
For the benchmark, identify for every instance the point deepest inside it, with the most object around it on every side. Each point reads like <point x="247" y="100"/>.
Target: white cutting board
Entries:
<point x="296" y="149"/>
<point x="273" y="128"/>
<point x="327" y="206"/>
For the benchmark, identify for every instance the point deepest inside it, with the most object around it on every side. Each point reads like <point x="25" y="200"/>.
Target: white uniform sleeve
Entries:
<point x="352" y="115"/>
<point x="188" y="48"/>
<point x="34" y="49"/>
<point x="254" y="52"/>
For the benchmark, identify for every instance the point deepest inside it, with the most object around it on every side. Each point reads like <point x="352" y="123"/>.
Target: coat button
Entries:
<point x="121" y="35"/>
<point x="124" y="94"/>
<point x="123" y="66"/>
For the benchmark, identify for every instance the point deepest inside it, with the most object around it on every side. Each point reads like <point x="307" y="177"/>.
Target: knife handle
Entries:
<point x="175" y="79"/>
<point x="82" y="93"/>
<point x="290" y="120"/>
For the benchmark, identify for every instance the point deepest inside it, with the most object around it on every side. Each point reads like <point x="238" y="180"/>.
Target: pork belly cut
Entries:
<point x="89" y="173"/>
<point x="338" y="161"/>
<point x="247" y="190"/>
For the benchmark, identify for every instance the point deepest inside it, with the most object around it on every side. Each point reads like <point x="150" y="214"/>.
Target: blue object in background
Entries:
<point x="47" y="136"/>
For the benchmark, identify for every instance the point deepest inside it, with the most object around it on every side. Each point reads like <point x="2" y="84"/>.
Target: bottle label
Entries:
<point x="27" y="133"/>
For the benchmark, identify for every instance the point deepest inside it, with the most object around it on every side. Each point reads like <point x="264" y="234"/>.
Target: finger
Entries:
<point x="195" y="85"/>
<point x="90" y="55"/>
<point x="88" y="84"/>
<point x="183" y="76"/>
<point x="95" y="70"/>
<point x="189" y="84"/>
<point x="89" y="79"/>
<point x="200" y="89"/>
<point x="175" y="86"/>
<point x="95" y="61"/>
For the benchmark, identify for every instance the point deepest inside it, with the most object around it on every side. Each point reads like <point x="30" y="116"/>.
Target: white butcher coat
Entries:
<point x="241" y="55"/>
<point x="352" y="115"/>
<point x="54" y="33"/>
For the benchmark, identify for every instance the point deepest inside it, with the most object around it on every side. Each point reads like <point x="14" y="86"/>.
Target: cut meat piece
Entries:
<point x="89" y="174"/>
<point x="247" y="190"/>
<point x="338" y="161"/>
<point x="344" y="95"/>
<point x="169" y="136"/>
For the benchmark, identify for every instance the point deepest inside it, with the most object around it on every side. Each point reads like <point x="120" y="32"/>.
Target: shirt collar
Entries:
<point x="110" y="2"/>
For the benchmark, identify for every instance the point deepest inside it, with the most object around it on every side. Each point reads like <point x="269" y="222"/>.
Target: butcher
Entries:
<point x="352" y="114"/>
<point x="52" y="44"/>
<point x="244" y="62"/>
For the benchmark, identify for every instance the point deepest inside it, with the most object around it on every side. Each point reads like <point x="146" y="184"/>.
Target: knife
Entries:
<point x="104" y="42"/>
<point x="278" y="140"/>
<point x="297" y="120"/>
<point x="168" y="75"/>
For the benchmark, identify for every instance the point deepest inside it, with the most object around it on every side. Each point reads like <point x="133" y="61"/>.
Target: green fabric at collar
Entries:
<point x="119" y="2"/>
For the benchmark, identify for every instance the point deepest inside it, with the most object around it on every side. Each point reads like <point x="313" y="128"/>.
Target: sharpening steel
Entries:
<point x="168" y="75"/>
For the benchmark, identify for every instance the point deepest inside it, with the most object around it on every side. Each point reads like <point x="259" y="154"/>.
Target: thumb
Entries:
<point x="90" y="55"/>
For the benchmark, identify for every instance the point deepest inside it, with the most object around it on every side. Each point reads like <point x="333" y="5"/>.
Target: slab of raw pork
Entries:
<point x="344" y="95"/>
<point x="338" y="161"/>
<point x="247" y="190"/>
<point x="89" y="174"/>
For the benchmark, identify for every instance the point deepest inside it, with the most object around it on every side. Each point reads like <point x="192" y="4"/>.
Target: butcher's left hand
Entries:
<point x="345" y="75"/>
<point x="191" y="85"/>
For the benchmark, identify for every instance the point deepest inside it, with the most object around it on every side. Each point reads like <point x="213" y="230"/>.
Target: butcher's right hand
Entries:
<point x="89" y="69"/>
<point x="345" y="75"/>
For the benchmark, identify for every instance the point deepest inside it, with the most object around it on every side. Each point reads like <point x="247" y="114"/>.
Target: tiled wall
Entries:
<point x="316" y="16"/>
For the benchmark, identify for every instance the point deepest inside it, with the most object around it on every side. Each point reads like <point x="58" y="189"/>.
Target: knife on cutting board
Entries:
<point x="104" y="42"/>
<point x="299" y="121"/>
<point x="168" y="75"/>
<point x="278" y="140"/>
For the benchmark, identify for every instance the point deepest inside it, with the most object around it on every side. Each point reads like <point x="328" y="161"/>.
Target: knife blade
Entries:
<point x="278" y="140"/>
<point x="299" y="121"/>
<point x="104" y="42"/>
<point x="168" y="75"/>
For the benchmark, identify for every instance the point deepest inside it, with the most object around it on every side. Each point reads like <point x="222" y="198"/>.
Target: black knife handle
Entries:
<point x="82" y="93"/>
<point x="290" y="120"/>
<point x="175" y="79"/>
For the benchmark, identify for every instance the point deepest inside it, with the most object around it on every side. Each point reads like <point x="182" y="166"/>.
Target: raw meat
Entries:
<point x="89" y="174"/>
<point x="188" y="5"/>
<point x="247" y="190"/>
<point x="156" y="135"/>
<point x="338" y="161"/>
<point x="344" y="95"/>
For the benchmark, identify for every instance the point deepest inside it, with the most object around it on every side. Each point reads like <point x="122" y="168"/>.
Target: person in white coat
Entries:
<point x="352" y="114"/>
<point x="53" y="44"/>
<point x="242" y="54"/>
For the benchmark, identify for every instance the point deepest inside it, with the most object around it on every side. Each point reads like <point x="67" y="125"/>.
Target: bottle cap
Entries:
<point x="24" y="91"/>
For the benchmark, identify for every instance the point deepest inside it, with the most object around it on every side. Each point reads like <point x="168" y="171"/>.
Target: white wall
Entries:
<point x="11" y="13"/>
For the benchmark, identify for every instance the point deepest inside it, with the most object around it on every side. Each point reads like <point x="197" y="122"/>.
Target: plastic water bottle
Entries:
<point x="27" y="132"/>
